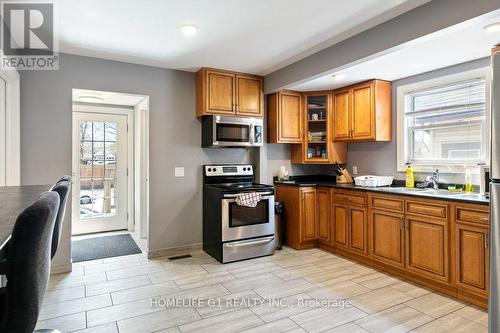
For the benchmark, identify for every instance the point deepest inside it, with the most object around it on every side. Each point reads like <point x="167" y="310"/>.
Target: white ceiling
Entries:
<point x="107" y="97"/>
<point x="254" y="36"/>
<point x="465" y="42"/>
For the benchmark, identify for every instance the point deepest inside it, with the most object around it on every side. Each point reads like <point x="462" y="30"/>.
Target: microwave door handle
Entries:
<point x="252" y="134"/>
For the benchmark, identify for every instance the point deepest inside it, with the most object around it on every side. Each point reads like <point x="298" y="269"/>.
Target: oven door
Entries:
<point x="234" y="132"/>
<point x="239" y="222"/>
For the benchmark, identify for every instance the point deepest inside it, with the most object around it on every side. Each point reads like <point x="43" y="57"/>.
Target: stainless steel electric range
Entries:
<point x="232" y="232"/>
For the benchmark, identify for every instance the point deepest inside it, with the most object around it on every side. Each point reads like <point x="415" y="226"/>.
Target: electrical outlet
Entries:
<point x="179" y="172"/>
<point x="354" y="170"/>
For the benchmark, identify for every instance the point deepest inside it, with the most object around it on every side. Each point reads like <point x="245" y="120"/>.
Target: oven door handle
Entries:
<point x="235" y="195"/>
<point x="250" y="242"/>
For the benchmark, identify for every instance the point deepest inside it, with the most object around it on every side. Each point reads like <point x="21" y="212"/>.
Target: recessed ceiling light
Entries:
<point x="90" y="99"/>
<point x="494" y="27"/>
<point x="189" y="29"/>
<point x="339" y="76"/>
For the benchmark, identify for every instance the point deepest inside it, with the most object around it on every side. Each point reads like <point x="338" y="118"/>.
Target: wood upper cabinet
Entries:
<point x="317" y="143"/>
<point x="362" y="122"/>
<point x="341" y="115"/>
<point x="308" y="214"/>
<point x="323" y="214"/>
<point x="387" y="237"/>
<point x="362" y="112"/>
<point x="427" y="247"/>
<point x="221" y="92"/>
<point x="284" y="117"/>
<point x="249" y="96"/>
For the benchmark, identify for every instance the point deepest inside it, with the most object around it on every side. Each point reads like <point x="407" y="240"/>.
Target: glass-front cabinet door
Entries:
<point x="317" y="128"/>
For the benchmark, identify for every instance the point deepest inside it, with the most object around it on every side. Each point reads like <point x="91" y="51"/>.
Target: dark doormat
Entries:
<point x="103" y="247"/>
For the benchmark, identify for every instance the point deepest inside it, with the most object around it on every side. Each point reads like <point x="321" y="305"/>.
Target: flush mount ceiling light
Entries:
<point x="90" y="99"/>
<point x="494" y="27"/>
<point x="339" y="76"/>
<point x="189" y="29"/>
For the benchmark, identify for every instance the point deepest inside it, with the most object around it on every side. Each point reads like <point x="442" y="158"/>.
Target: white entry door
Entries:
<point x="100" y="162"/>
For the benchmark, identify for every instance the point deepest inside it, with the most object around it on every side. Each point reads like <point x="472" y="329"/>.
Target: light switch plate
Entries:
<point x="179" y="172"/>
<point x="355" y="170"/>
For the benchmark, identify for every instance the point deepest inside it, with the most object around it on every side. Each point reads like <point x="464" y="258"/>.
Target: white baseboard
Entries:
<point x="61" y="268"/>
<point x="174" y="251"/>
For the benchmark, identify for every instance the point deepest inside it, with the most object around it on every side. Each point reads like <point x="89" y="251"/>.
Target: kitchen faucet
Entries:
<point x="431" y="180"/>
<point x="434" y="179"/>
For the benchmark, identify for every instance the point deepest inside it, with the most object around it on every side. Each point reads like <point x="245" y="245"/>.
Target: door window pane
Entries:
<point x="98" y="166"/>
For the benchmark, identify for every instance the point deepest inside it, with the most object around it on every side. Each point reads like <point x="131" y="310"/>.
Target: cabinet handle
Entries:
<point x="402" y="223"/>
<point x="486" y="241"/>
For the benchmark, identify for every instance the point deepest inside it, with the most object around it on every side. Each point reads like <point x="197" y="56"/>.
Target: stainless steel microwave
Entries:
<point x="229" y="131"/>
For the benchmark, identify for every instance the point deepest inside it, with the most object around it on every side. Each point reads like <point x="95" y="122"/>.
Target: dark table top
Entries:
<point x="13" y="200"/>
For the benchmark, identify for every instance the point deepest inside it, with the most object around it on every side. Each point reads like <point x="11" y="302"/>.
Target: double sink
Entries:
<point x="428" y="191"/>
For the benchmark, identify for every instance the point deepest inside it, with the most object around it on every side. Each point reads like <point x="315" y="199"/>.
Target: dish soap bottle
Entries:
<point x="410" y="179"/>
<point x="468" y="181"/>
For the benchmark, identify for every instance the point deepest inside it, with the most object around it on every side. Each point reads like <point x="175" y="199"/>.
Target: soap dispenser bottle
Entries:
<point x="410" y="179"/>
<point x="468" y="180"/>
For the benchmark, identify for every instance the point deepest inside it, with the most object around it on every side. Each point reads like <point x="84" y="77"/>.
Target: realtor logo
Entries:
<point x="28" y="36"/>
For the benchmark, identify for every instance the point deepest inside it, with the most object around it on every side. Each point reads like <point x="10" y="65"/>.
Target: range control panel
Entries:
<point x="229" y="170"/>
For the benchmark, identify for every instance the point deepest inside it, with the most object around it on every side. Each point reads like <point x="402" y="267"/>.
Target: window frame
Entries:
<point x="403" y="137"/>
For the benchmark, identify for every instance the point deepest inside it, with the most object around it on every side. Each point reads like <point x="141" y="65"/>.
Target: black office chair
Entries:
<point x="27" y="265"/>
<point x="65" y="178"/>
<point x="62" y="188"/>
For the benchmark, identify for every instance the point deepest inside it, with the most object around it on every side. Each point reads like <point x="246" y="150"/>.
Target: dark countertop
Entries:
<point x="13" y="200"/>
<point x="395" y="190"/>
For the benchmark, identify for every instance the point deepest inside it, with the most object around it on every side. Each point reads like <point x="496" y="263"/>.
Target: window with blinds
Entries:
<point x="447" y="124"/>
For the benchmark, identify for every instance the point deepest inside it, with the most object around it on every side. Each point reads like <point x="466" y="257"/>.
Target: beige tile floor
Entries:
<point x="292" y="291"/>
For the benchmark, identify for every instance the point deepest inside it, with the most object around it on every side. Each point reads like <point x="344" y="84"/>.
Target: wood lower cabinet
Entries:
<point x="308" y="223"/>
<point x="427" y="247"/>
<point x="220" y="92"/>
<point x="323" y="214"/>
<point x="387" y="237"/>
<point x="472" y="258"/>
<point x="284" y="117"/>
<point x="440" y="244"/>
<point x="340" y="225"/>
<point x="300" y="215"/>
<point x="350" y="221"/>
<point x="357" y="230"/>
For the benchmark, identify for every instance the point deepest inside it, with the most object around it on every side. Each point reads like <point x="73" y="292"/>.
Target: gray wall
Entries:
<point x="175" y="203"/>
<point x="380" y="158"/>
